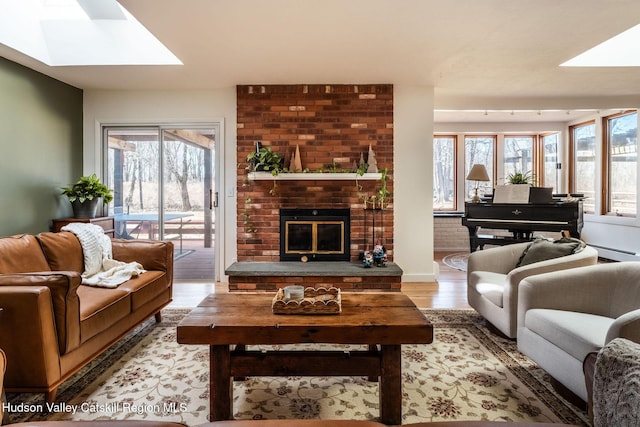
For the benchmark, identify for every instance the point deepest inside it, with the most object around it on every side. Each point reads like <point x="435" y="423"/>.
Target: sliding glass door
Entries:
<point x="164" y="189"/>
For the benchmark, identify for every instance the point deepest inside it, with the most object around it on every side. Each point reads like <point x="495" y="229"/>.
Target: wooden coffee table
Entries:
<point x="383" y="321"/>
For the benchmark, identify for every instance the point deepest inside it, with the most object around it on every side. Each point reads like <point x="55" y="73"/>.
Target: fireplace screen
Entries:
<point x="317" y="234"/>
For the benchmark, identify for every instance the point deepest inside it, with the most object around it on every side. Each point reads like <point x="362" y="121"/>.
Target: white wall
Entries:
<point x="413" y="182"/>
<point x="172" y="107"/>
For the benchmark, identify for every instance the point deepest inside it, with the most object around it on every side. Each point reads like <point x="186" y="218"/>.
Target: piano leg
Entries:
<point x="473" y="238"/>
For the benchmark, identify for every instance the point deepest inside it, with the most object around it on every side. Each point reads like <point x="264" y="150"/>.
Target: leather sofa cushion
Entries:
<point x="575" y="333"/>
<point x="100" y="308"/>
<point x="145" y="287"/>
<point x="153" y="255"/>
<point x="21" y="254"/>
<point x="62" y="251"/>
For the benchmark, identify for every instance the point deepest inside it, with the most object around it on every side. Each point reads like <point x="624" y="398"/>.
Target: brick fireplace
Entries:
<point x="314" y="234"/>
<point x="333" y="126"/>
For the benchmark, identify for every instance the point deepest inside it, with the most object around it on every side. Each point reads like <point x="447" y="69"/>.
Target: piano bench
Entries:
<point x="490" y="239"/>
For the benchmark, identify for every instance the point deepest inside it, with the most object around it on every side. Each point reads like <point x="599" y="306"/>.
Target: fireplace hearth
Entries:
<point x="314" y="234"/>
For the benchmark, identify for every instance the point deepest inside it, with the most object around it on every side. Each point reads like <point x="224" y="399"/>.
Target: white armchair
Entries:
<point x="492" y="280"/>
<point x="565" y="315"/>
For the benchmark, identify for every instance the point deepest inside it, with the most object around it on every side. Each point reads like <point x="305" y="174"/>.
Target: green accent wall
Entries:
<point x="40" y="148"/>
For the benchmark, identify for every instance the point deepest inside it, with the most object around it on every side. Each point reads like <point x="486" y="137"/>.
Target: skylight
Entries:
<point x="622" y="50"/>
<point x="79" y="32"/>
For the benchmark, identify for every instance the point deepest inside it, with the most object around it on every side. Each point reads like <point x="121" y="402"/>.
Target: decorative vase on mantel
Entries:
<point x="86" y="209"/>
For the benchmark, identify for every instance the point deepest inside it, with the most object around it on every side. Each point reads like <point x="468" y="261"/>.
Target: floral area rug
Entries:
<point x="457" y="261"/>
<point x="467" y="373"/>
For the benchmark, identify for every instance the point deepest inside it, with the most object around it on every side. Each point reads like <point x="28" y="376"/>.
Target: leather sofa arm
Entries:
<point x="28" y="336"/>
<point x="152" y="254"/>
<point x="63" y="287"/>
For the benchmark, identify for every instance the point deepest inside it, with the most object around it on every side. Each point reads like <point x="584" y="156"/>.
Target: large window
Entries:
<point x="444" y="173"/>
<point x="479" y="149"/>
<point x="550" y="164"/>
<point x="621" y="144"/>
<point x="518" y="156"/>
<point x="583" y="150"/>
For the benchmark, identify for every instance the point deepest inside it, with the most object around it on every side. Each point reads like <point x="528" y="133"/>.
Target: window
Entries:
<point x="621" y="134"/>
<point x="479" y="149"/>
<point x="518" y="156"/>
<point x="444" y="173"/>
<point x="550" y="165"/>
<point x="583" y="150"/>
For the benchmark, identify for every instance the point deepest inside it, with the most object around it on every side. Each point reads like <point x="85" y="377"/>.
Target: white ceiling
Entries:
<point x="477" y="54"/>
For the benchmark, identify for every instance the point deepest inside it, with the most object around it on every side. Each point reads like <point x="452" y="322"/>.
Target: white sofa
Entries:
<point x="565" y="315"/>
<point x="492" y="280"/>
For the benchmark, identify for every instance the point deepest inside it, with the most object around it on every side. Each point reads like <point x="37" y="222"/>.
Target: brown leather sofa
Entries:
<point x="52" y="325"/>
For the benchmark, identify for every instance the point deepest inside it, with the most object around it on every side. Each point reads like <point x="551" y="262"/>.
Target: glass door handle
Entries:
<point x="213" y="200"/>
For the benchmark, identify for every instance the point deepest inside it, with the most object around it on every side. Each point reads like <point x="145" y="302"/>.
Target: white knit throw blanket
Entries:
<point x="100" y="269"/>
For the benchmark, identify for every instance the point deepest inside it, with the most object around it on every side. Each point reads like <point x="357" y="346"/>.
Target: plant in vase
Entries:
<point x="85" y="195"/>
<point x="520" y="178"/>
<point x="265" y="160"/>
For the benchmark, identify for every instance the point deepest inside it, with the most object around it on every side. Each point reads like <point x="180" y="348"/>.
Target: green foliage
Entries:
<point x="88" y="188"/>
<point x="245" y="214"/>
<point x="520" y="178"/>
<point x="362" y="169"/>
<point x="266" y="160"/>
<point x="383" y="191"/>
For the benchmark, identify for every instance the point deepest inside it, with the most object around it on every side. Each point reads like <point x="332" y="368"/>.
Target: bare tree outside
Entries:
<point x="479" y="149"/>
<point x="584" y="142"/>
<point x="518" y="155"/>
<point x="443" y="173"/>
<point x="622" y="137"/>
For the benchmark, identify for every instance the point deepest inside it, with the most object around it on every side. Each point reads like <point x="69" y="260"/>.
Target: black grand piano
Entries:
<point x="521" y="219"/>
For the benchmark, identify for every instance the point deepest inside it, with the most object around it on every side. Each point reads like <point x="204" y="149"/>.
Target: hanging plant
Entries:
<point x="383" y="192"/>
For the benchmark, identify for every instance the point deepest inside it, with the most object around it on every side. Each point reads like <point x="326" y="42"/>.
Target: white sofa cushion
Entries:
<point x="576" y="333"/>
<point x="490" y="285"/>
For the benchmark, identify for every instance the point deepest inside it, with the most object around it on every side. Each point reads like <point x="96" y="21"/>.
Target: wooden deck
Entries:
<point x="195" y="262"/>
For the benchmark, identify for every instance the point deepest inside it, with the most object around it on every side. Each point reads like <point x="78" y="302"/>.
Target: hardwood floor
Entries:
<point x="450" y="291"/>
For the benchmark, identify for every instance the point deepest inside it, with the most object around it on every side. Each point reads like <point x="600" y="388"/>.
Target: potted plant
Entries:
<point x="520" y="178"/>
<point x="265" y="160"/>
<point x="85" y="194"/>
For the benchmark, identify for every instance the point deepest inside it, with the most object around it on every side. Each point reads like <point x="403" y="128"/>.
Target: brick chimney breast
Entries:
<point x="330" y="123"/>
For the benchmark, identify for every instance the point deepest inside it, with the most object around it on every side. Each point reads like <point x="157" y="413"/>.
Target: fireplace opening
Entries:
<point x="314" y="234"/>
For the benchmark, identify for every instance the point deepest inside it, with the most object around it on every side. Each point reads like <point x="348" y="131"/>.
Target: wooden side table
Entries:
<point x="106" y="222"/>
